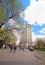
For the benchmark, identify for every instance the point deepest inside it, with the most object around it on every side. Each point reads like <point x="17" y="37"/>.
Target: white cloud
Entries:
<point x="35" y="12"/>
<point x="11" y="22"/>
<point x="42" y="31"/>
<point x="36" y="36"/>
<point x="22" y="14"/>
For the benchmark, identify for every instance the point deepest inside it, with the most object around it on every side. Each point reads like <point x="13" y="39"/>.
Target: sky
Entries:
<point x="34" y="14"/>
<point x="34" y="11"/>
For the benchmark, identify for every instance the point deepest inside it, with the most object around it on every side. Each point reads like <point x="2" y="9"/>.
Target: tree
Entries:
<point x="9" y="9"/>
<point x="39" y="43"/>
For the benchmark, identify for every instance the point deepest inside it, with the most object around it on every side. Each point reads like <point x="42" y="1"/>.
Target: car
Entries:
<point x="30" y="48"/>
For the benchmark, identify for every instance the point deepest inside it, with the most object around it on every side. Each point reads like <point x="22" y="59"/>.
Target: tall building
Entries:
<point x="26" y="38"/>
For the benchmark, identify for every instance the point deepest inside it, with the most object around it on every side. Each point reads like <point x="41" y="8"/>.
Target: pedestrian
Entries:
<point x="14" y="47"/>
<point x="11" y="48"/>
<point x="20" y="48"/>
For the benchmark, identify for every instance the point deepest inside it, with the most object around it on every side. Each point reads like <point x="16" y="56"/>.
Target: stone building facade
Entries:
<point x="26" y="38"/>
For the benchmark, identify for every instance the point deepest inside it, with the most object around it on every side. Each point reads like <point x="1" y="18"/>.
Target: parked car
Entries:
<point x="30" y="48"/>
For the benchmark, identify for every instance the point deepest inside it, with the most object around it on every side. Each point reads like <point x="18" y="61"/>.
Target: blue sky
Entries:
<point x="35" y="15"/>
<point x="25" y="3"/>
<point x="34" y="11"/>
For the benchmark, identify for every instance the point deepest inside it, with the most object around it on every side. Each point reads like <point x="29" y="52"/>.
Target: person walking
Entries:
<point x="14" y="46"/>
<point x="11" y="48"/>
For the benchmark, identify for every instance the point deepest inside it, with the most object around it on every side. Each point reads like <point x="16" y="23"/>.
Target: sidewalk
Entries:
<point x="41" y="56"/>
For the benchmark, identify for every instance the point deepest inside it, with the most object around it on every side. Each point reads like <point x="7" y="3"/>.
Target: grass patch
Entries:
<point x="41" y="49"/>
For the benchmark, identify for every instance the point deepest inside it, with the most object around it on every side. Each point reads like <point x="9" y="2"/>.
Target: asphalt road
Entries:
<point x="25" y="57"/>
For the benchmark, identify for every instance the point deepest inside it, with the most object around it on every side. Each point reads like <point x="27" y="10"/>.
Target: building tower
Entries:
<point x="26" y="38"/>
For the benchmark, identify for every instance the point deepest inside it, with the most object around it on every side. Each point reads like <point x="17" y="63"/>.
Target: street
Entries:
<point x="25" y="57"/>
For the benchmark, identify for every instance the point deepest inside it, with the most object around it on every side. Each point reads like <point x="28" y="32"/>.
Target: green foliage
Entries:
<point x="9" y="9"/>
<point x="41" y="49"/>
<point x="7" y="40"/>
<point x="9" y="6"/>
<point x="22" y="26"/>
<point x="2" y="14"/>
<point x="40" y="44"/>
<point x="6" y="35"/>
